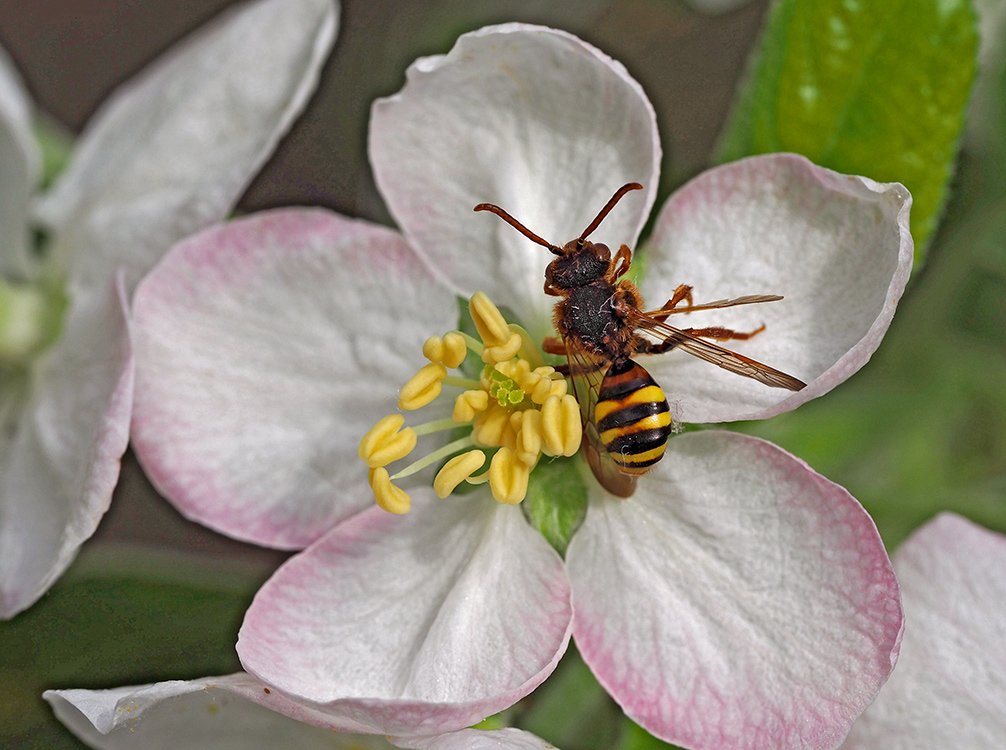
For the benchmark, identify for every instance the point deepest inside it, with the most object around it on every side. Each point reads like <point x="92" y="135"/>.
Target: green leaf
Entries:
<point x="556" y="501"/>
<point x="571" y="710"/>
<point x="119" y="618"/>
<point x="871" y="88"/>
<point x="634" y="737"/>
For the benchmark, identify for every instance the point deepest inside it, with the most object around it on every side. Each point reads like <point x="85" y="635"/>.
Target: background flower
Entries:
<point x="169" y="152"/>
<point x="949" y="688"/>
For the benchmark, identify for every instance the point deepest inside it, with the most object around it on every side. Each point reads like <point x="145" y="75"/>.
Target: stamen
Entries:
<point x="423" y="387"/>
<point x="529" y="437"/>
<point x="432" y="458"/>
<point x="383" y="444"/>
<point x="389" y="497"/>
<point x="449" y="351"/>
<point x="457" y="470"/>
<point x="508" y="477"/>
<point x="492" y="427"/>
<point x="489" y="321"/>
<point x="470" y="403"/>
<point x="560" y="425"/>
<point x="436" y="425"/>
<point x="462" y="382"/>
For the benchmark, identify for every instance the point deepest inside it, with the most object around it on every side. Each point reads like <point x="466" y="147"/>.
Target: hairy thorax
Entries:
<point x="599" y="315"/>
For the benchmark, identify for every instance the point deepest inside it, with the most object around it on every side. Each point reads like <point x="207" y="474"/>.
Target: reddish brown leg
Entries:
<point x="622" y="263"/>
<point x="682" y="294"/>
<point x="552" y="291"/>
<point x="723" y="334"/>
<point x="553" y="345"/>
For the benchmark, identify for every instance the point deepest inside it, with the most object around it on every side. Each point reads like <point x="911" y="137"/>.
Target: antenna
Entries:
<point x="518" y="226"/>
<point x="608" y="206"/>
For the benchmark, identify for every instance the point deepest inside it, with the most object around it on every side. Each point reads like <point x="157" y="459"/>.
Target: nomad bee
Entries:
<point x="602" y="324"/>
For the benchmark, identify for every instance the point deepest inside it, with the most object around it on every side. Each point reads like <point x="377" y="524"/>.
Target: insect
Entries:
<point x="602" y="325"/>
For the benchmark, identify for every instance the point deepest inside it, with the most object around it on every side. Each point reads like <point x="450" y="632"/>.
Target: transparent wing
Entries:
<point x="586" y="370"/>
<point x="715" y="354"/>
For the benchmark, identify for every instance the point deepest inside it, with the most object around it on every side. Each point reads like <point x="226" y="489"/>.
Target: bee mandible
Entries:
<point x="602" y="324"/>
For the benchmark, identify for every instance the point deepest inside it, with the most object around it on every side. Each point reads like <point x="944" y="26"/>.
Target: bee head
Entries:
<point x="580" y="262"/>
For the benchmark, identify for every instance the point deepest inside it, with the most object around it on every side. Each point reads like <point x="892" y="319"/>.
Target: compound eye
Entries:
<point x="601" y="252"/>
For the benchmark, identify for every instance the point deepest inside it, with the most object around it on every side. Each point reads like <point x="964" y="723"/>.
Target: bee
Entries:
<point x="602" y="324"/>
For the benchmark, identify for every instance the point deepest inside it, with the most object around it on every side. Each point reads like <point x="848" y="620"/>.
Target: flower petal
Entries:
<point x="266" y="348"/>
<point x="532" y="119"/>
<point x="60" y="449"/>
<point x="414" y="624"/>
<point x="476" y="739"/>
<point x="171" y="151"/>
<point x="737" y="600"/>
<point x="21" y="162"/>
<point x="949" y="688"/>
<point x="213" y="712"/>
<point x="837" y="248"/>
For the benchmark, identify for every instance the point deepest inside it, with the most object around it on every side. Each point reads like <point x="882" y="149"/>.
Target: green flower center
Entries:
<point x="31" y="319"/>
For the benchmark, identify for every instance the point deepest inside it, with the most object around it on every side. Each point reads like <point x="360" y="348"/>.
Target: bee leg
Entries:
<point x="621" y="263"/>
<point x="723" y="334"/>
<point x="553" y="345"/>
<point x="683" y="293"/>
<point x="645" y="346"/>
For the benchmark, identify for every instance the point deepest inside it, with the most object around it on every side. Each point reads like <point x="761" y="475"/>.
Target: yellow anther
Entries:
<point x="529" y="437"/>
<point x="457" y="470"/>
<point x="423" y="387"/>
<point x="492" y="426"/>
<point x="508" y="477"/>
<point x="389" y="497"/>
<point x="384" y="444"/>
<point x="560" y="425"/>
<point x="468" y="404"/>
<point x="448" y="351"/>
<point x="504" y="351"/>
<point x="489" y="322"/>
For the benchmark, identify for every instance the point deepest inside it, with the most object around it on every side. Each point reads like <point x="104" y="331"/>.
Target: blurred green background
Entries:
<point x="922" y="428"/>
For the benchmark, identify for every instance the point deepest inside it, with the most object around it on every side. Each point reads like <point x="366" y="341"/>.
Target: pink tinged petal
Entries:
<point x="414" y="624"/>
<point x="475" y="739"/>
<point x="529" y="118"/>
<point x="172" y="150"/>
<point x="949" y="689"/>
<point x="836" y="247"/>
<point x="63" y="437"/>
<point x="21" y="161"/>
<point x="737" y="600"/>
<point x="265" y="349"/>
<point x="213" y="712"/>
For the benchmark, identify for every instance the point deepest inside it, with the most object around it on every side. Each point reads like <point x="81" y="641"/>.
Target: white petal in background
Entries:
<point x="529" y="118"/>
<point x="949" y="689"/>
<point x="60" y="448"/>
<point x="20" y="161"/>
<point x="266" y="348"/>
<point x="421" y="623"/>
<point x="838" y="248"/>
<point x="737" y="600"/>
<point x="172" y="150"/>
<point x="233" y="713"/>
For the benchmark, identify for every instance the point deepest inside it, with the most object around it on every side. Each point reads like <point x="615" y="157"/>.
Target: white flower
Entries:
<point x="736" y="600"/>
<point x="236" y="711"/>
<point x="949" y="689"/>
<point x="170" y="152"/>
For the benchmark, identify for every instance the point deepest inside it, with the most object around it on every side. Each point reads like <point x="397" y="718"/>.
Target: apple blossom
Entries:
<point x="736" y="600"/>
<point x="236" y="711"/>
<point x="949" y="688"/>
<point x="170" y="152"/>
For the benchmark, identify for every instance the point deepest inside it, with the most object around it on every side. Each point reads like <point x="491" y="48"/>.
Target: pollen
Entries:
<point x="515" y="411"/>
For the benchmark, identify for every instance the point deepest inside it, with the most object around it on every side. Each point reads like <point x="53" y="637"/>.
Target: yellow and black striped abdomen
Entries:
<point x="632" y="417"/>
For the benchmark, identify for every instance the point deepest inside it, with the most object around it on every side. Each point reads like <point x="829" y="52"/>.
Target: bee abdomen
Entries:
<point x="632" y="417"/>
